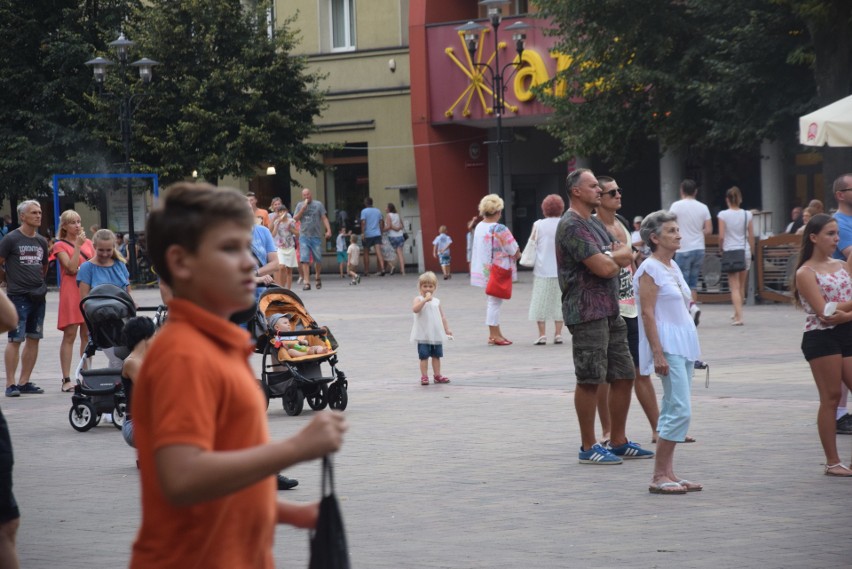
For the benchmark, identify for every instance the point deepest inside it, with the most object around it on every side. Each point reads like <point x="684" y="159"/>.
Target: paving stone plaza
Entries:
<point x="483" y="472"/>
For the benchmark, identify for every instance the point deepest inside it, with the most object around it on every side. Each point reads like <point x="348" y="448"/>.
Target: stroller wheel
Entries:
<point x="337" y="396"/>
<point x="265" y="389"/>
<point x="119" y="415"/>
<point x="82" y="416"/>
<point x="318" y="400"/>
<point x="293" y="400"/>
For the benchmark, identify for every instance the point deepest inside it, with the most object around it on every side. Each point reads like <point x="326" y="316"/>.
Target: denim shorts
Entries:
<point x="397" y="242"/>
<point x="690" y="265"/>
<point x="601" y="353"/>
<point x="30" y="318"/>
<point x="342" y="257"/>
<point x="444" y="259"/>
<point x="370" y="242"/>
<point x="310" y="246"/>
<point x="426" y="351"/>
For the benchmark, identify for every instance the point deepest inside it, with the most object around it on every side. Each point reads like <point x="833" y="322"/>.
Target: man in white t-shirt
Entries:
<point x="693" y="218"/>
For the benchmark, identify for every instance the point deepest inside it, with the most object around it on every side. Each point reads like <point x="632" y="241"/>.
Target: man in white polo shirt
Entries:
<point x="693" y="218"/>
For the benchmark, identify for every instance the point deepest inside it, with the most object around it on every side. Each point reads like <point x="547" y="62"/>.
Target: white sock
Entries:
<point x="841" y="411"/>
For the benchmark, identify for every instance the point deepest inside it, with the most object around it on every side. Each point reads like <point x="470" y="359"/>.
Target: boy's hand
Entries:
<point x="323" y="435"/>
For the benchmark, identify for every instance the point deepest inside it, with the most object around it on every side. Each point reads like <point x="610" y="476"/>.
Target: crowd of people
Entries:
<point x="628" y="300"/>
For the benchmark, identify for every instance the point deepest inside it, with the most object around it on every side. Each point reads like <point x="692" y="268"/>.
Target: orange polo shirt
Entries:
<point x="196" y="388"/>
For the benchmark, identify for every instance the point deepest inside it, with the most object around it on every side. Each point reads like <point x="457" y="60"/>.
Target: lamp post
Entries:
<point x="128" y="103"/>
<point x="471" y="32"/>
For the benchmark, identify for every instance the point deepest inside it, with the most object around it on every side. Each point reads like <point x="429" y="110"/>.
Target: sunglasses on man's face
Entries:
<point x="611" y="193"/>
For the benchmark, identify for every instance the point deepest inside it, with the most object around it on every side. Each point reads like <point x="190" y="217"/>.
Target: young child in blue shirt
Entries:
<point x="441" y="250"/>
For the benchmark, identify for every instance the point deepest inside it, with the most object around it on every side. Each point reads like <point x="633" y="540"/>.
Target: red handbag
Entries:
<point x="499" y="282"/>
<point x="499" y="279"/>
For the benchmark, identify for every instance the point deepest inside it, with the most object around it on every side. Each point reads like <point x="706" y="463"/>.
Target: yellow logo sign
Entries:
<point x="530" y="73"/>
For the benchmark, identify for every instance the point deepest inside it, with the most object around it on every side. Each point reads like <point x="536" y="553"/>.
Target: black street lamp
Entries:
<point x="128" y="103"/>
<point x="471" y="31"/>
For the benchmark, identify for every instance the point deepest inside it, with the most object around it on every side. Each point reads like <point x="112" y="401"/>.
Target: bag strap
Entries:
<point x="493" y="231"/>
<point x="72" y="246"/>
<point x="327" y="468"/>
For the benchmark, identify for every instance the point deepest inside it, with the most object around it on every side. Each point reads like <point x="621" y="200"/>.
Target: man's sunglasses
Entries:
<point x="611" y="193"/>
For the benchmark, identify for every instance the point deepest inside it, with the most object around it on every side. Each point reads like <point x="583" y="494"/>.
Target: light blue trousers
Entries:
<point x="676" y="409"/>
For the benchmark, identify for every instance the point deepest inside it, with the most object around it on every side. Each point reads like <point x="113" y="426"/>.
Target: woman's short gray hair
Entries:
<point x="653" y="225"/>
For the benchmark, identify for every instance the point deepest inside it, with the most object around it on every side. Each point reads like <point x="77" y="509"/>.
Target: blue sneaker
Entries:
<point x="598" y="455"/>
<point x="13" y="391"/>
<point x="30" y="387"/>
<point x="630" y="450"/>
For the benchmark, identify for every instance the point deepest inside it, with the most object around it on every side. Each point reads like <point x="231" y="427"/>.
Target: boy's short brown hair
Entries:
<point x="187" y="212"/>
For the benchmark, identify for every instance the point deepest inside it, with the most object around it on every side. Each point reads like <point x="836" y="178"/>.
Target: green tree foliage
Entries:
<point x="43" y="44"/>
<point x="709" y="75"/>
<point x="227" y="99"/>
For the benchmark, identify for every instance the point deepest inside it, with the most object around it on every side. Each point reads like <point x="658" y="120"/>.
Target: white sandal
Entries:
<point x="847" y="472"/>
<point x="541" y="341"/>
<point x="557" y="339"/>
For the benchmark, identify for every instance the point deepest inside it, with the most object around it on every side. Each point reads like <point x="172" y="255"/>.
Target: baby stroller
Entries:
<point x="99" y="391"/>
<point x="296" y="379"/>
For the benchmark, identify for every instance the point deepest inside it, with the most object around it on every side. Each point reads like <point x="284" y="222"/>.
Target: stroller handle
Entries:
<point x="123" y="301"/>
<point x="309" y="332"/>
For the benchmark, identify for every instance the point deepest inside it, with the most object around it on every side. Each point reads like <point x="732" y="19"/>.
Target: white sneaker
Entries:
<point x="695" y="312"/>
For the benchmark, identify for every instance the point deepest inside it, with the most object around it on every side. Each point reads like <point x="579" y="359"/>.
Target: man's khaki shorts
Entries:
<point x="601" y="352"/>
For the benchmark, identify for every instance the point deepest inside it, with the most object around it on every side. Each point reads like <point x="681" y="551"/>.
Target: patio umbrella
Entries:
<point x="831" y="125"/>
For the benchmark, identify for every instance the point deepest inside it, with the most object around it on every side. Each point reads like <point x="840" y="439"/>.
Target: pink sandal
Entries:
<point x="424" y="380"/>
<point x="441" y="379"/>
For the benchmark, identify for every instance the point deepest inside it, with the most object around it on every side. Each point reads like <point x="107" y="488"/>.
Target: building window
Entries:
<point x="347" y="183"/>
<point x="342" y="25"/>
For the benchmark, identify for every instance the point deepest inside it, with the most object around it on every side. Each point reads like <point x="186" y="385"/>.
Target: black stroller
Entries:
<point x="296" y="379"/>
<point x="99" y="391"/>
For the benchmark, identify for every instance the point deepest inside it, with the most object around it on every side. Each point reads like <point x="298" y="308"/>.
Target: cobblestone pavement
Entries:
<point x="483" y="472"/>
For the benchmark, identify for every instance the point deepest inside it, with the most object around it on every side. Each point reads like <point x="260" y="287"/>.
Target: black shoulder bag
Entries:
<point x="328" y="540"/>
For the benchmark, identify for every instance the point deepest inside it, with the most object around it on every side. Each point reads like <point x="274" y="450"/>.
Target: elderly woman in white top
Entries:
<point x="668" y="343"/>
<point x="546" y="301"/>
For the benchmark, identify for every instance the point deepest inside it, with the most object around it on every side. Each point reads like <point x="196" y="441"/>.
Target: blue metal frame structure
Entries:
<point x="155" y="179"/>
<point x="57" y="177"/>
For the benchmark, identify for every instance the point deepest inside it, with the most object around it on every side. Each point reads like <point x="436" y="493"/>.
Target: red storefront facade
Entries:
<point x="452" y="122"/>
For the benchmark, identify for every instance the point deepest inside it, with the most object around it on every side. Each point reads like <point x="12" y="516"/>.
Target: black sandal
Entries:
<point x="319" y="284"/>
<point x="66" y="381"/>
<point x="306" y="287"/>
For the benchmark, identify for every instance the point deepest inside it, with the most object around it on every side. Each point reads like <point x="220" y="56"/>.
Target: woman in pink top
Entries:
<point x="823" y="288"/>
<point x="71" y="250"/>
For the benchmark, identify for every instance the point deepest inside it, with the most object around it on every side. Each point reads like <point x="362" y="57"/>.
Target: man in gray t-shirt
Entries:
<point x="24" y="254"/>
<point x="312" y="217"/>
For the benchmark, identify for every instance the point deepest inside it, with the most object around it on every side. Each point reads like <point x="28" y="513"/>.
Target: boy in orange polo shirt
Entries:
<point x="207" y="465"/>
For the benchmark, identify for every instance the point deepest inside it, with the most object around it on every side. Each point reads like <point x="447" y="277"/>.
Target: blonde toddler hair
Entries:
<point x="427" y="278"/>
